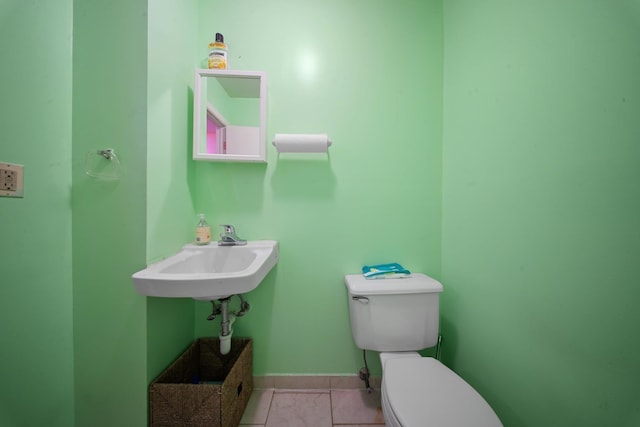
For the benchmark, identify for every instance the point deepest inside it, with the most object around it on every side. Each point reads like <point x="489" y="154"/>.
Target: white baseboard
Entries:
<point x="312" y="382"/>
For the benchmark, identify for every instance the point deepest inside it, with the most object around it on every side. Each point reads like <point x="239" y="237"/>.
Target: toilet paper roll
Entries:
<point x="301" y="143"/>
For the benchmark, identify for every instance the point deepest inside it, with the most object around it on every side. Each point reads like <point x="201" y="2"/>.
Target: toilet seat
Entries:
<point x="424" y="392"/>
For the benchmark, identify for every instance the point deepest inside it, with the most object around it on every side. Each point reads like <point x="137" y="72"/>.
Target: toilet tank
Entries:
<point x="399" y="314"/>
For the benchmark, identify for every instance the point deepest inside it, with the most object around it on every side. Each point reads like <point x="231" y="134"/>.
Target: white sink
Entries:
<point x="208" y="272"/>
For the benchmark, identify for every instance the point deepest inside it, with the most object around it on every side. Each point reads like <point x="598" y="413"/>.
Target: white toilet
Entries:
<point x="397" y="317"/>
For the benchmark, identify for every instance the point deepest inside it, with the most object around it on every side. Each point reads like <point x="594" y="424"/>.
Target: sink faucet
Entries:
<point x="229" y="238"/>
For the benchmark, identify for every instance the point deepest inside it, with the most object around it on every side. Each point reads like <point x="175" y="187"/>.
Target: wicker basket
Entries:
<point x="203" y="387"/>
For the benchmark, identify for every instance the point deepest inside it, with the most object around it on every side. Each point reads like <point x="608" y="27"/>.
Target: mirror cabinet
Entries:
<point x="230" y="115"/>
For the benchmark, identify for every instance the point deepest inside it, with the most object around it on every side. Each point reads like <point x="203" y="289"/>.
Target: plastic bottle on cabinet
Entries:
<point x="218" y="53"/>
<point x="203" y="232"/>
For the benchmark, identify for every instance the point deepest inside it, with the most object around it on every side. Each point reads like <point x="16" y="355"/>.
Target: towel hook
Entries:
<point x="107" y="153"/>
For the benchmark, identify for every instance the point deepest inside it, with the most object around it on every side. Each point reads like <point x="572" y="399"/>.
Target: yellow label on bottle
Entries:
<point x="203" y="235"/>
<point x="217" y="62"/>
<point x="217" y="56"/>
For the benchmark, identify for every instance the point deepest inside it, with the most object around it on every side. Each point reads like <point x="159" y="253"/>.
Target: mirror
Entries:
<point x="229" y="115"/>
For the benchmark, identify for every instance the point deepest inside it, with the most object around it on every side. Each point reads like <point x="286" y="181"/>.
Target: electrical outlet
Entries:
<point x="11" y="180"/>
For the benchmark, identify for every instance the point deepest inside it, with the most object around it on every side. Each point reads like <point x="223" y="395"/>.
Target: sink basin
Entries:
<point x="208" y="272"/>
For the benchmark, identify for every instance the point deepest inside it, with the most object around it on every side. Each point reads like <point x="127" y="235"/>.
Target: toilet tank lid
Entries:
<point x="417" y="283"/>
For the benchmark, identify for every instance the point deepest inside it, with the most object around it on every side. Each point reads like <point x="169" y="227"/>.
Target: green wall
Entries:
<point x="109" y="217"/>
<point x="35" y="232"/>
<point x="541" y="215"/>
<point x="370" y="77"/>
<point x="74" y="326"/>
<point x="171" y="218"/>
<point x="535" y="237"/>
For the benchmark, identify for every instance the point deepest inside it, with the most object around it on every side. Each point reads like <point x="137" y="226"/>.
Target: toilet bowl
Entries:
<point x="397" y="317"/>
<point x="421" y="391"/>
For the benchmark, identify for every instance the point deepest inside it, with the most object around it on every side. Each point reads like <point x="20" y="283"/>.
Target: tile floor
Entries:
<point x="322" y="407"/>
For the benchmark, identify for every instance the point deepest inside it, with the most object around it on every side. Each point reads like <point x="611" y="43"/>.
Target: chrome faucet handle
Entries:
<point x="229" y="237"/>
<point x="228" y="228"/>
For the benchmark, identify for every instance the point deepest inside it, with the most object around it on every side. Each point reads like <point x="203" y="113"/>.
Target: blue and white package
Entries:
<point x="385" y="271"/>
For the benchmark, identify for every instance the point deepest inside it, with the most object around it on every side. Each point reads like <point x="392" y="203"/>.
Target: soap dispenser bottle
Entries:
<point x="203" y="232"/>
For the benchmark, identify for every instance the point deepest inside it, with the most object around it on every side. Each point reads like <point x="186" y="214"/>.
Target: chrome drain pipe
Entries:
<point x="227" y="319"/>
<point x="226" y="329"/>
<point x="224" y="310"/>
<point x="244" y="307"/>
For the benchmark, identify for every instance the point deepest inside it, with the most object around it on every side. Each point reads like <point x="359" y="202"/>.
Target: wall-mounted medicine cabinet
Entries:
<point x="230" y="115"/>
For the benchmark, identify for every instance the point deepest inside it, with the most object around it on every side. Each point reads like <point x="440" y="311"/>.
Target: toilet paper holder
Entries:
<point x="301" y="143"/>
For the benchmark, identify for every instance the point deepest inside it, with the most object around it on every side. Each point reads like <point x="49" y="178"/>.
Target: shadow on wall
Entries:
<point x="189" y="163"/>
<point x="238" y="188"/>
<point x="449" y="341"/>
<point x="303" y="178"/>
